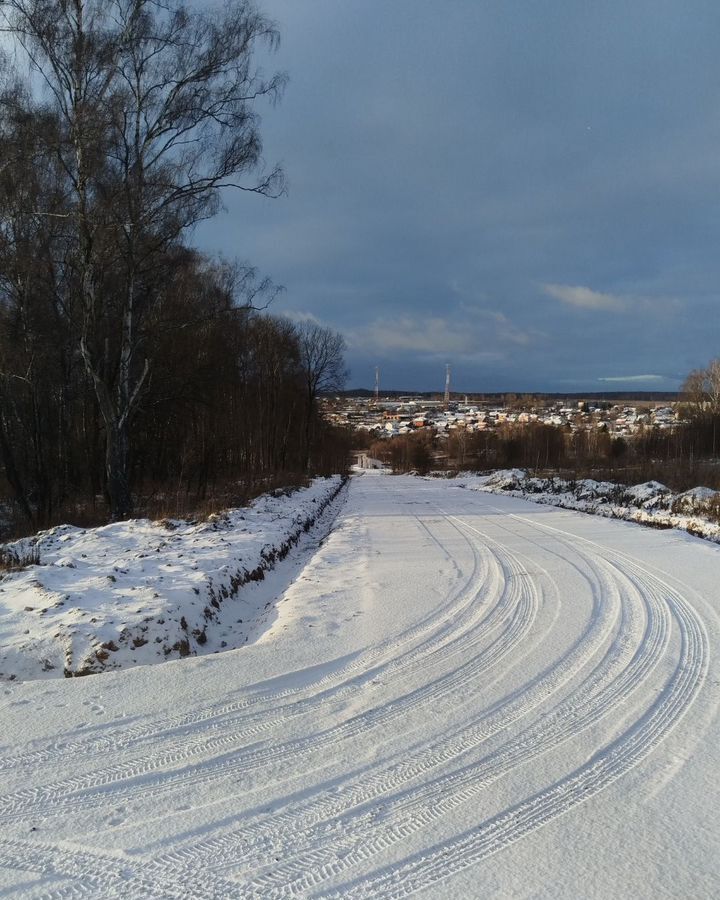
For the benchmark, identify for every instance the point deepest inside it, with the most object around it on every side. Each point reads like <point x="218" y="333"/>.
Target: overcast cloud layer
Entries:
<point x="529" y="191"/>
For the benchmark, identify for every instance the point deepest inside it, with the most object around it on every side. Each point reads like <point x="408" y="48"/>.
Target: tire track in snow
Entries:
<point x="431" y="629"/>
<point x="464" y="742"/>
<point x="219" y="770"/>
<point x="266" y="833"/>
<point x="405" y="814"/>
<point x="365" y="668"/>
<point x="515" y="622"/>
<point x="104" y="794"/>
<point x="94" y="873"/>
<point x="376" y="784"/>
<point x="635" y="638"/>
<point x="515" y="587"/>
<point x="604" y="768"/>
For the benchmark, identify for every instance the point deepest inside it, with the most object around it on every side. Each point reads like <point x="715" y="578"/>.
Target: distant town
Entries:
<point x="388" y="416"/>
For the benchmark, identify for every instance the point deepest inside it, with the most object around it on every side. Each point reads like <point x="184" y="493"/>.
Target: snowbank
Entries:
<point x="139" y="592"/>
<point x="650" y="503"/>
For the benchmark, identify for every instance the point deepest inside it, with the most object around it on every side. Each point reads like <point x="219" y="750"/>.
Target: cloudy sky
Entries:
<point x="528" y="190"/>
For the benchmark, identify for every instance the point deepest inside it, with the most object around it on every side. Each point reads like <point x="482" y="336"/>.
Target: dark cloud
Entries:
<point x="526" y="190"/>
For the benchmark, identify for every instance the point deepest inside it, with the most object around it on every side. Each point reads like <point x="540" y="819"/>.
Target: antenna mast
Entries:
<point x="377" y="383"/>
<point x="447" y="386"/>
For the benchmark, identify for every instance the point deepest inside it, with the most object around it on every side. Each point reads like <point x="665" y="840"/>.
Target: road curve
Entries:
<point x="461" y="694"/>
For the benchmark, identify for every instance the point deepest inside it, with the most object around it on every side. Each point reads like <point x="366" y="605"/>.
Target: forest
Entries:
<point x="137" y="375"/>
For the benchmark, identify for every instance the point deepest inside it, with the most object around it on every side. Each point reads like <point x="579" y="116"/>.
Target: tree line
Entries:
<point x="681" y="457"/>
<point x="132" y="366"/>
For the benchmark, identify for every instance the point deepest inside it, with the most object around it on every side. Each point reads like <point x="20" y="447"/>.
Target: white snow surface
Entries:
<point x="461" y="695"/>
<point x="649" y="503"/>
<point x="139" y="592"/>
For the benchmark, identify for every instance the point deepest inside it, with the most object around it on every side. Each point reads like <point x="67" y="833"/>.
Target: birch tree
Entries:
<point x="156" y="104"/>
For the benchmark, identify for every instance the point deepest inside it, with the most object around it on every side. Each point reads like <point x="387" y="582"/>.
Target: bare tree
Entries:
<point x="155" y="105"/>
<point x="323" y="367"/>
<point x="702" y="402"/>
<point x="34" y="365"/>
<point x="702" y="388"/>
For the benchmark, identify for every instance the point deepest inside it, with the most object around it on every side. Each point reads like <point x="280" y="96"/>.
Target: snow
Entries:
<point x="506" y="479"/>
<point x="697" y="499"/>
<point x="138" y="592"/>
<point x="461" y="694"/>
<point x="647" y="494"/>
<point x="649" y="503"/>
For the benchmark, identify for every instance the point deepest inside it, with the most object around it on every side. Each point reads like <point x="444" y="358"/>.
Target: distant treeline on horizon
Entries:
<point x="646" y="396"/>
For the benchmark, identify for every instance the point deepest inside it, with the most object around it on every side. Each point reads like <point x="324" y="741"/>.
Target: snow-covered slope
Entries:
<point x="462" y="695"/>
<point x="138" y="592"/>
<point x="649" y="503"/>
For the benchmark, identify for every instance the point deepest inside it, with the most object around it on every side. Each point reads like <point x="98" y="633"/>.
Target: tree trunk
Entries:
<point x="12" y="474"/>
<point x="308" y="434"/>
<point x="117" y="467"/>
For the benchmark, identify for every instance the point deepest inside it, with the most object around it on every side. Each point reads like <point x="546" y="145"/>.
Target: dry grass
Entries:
<point x="166" y="507"/>
<point x="676" y="475"/>
<point x="158" y="505"/>
<point x="679" y="477"/>
<point x="14" y="561"/>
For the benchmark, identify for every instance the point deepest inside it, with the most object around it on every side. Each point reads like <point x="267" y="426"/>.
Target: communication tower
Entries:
<point x="447" y="386"/>
<point x="377" y="383"/>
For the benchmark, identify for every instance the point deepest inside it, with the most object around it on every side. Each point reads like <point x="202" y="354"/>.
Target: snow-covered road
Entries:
<point x="461" y="695"/>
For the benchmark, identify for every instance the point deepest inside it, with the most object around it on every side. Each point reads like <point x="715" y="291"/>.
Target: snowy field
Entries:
<point x="140" y="592"/>
<point x="649" y="503"/>
<point x="460" y="694"/>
